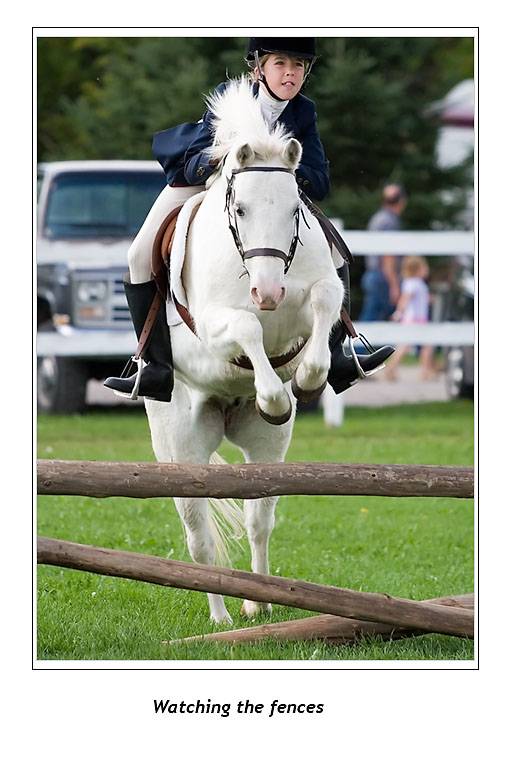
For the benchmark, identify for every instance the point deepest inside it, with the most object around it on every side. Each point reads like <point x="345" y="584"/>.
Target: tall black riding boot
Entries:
<point x="157" y="377"/>
<point x="344" y="371"/>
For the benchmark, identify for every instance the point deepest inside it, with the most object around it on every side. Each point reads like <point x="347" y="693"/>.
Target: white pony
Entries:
<point x="278" y="309"/>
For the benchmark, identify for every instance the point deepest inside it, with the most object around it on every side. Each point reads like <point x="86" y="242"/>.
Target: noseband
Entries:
<point x="233" y="222"/>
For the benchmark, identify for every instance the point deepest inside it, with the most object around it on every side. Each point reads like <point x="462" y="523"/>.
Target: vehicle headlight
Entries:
<point x="91" y="300"/>
<point x="92" y="291"/>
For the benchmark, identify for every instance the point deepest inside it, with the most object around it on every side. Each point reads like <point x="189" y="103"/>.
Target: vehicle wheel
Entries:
<point x="61" y="385"/>
<point x="457" y="384"/>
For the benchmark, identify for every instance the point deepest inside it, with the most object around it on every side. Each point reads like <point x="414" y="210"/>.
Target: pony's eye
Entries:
<point x="240" y="211"/>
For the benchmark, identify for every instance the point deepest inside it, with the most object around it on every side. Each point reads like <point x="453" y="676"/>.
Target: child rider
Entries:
<point x="279" y="66"/>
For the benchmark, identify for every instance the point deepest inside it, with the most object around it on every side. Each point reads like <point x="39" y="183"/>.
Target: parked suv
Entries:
<point x="88" y="214"/>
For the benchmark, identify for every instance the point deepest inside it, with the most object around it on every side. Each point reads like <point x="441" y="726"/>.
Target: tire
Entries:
<point x="61" y="385"/>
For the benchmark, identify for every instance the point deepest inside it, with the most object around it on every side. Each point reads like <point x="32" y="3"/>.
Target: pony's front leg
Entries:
<point x="229" y="333"/>
<point x="310" y="377"/>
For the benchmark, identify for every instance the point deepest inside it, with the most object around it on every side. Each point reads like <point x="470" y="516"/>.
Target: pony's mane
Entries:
<point x="238" y="119"/>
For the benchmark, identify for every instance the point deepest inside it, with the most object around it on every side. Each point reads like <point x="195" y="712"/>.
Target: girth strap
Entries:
<point x="276" y="362"/>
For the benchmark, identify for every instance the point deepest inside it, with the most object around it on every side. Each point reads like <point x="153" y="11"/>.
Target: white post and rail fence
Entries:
<point x="71" y="342"/>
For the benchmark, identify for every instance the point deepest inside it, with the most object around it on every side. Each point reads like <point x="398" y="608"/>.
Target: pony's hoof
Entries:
<point x="306" y="396"/>
<point x="223" y="618"/>
<point x="250" y="609"/>
<point x="279" y="419"/>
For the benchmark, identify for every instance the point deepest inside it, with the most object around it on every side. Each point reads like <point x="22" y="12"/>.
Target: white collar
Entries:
<point x="270" y="107"/>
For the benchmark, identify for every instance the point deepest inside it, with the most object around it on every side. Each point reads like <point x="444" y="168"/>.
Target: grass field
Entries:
<point x="414" y="548"/>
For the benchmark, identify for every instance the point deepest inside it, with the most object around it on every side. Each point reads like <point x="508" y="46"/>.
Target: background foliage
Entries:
<point x="105" y="97"/>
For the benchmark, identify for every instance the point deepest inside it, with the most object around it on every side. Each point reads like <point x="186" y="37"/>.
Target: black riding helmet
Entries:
<point x="299" y="47"/>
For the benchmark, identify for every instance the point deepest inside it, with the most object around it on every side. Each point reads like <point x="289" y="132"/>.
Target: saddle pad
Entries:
<point x="178" y="257"/>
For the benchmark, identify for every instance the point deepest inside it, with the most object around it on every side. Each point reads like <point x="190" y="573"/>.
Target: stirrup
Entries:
<point x="370" y="349"/>
<point x="133" y="396"/>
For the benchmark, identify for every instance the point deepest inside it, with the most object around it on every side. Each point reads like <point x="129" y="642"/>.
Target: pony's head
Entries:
<point x="261" y="195"/>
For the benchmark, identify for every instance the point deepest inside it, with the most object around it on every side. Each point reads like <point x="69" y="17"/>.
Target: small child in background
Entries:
<point x="413" y="307"/>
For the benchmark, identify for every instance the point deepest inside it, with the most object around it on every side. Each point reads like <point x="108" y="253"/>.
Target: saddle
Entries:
<point x="160" y="263"/>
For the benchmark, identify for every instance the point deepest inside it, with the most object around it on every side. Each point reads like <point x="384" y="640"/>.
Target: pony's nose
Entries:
<point x="267" y="300"/>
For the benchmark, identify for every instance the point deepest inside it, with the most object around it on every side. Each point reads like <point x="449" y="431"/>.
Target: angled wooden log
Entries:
<point x="327" y="627"/>
<point x="250" y="481"/>
<point x="377" y="607"/>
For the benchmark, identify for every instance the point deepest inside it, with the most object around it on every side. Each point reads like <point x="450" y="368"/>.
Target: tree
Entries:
<point x="105" y="97"/>
<point x="372" y="94"/>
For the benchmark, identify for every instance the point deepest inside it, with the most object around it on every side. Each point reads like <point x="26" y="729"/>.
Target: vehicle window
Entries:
<point x="104" y="203"/>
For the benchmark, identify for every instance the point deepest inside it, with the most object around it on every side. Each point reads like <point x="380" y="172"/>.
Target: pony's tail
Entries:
<point x="226" y="521"/>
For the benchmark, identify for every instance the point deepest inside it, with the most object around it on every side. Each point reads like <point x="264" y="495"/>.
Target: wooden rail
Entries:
<point x="337" y="630"/>
<point x="377" y="607"/>
<point x="250" y="481"/>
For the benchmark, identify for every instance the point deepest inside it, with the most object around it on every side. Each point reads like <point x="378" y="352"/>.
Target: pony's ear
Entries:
<point x="292" y="153"/>
<point x="245" y="155"/>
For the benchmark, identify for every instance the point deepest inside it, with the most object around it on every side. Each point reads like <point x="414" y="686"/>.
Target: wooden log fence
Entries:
<point x="345" y="614"/>
<point x="336" y="630"/>
<point x="376" y="607"/>
<point x="250" y="481"/>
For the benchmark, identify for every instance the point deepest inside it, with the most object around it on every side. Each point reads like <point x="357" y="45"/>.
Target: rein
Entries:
<point x="233" y="222"/>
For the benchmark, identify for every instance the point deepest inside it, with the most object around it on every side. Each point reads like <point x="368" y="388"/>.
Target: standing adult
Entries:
<point x="380" y="281"/>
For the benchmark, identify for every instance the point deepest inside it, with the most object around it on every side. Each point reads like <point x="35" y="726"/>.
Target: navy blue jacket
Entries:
<point x="181" y="150"/>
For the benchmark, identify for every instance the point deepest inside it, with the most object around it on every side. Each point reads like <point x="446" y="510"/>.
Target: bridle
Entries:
<point x="233" y="222"/>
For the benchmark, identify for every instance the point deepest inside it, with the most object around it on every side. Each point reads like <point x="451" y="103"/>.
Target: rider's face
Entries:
<point x="284" y="74"/>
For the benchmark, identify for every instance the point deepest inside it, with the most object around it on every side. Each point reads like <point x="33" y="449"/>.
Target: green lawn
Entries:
<point x="414" y="548"/>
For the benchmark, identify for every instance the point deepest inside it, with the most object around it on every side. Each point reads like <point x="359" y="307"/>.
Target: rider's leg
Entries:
<point x="157" y="376"/>
<point x="140" y="251"/>
<point x="343" y="369"/>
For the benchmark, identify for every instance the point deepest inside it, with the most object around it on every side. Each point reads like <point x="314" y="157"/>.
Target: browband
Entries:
<point x="262" y="168"/>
